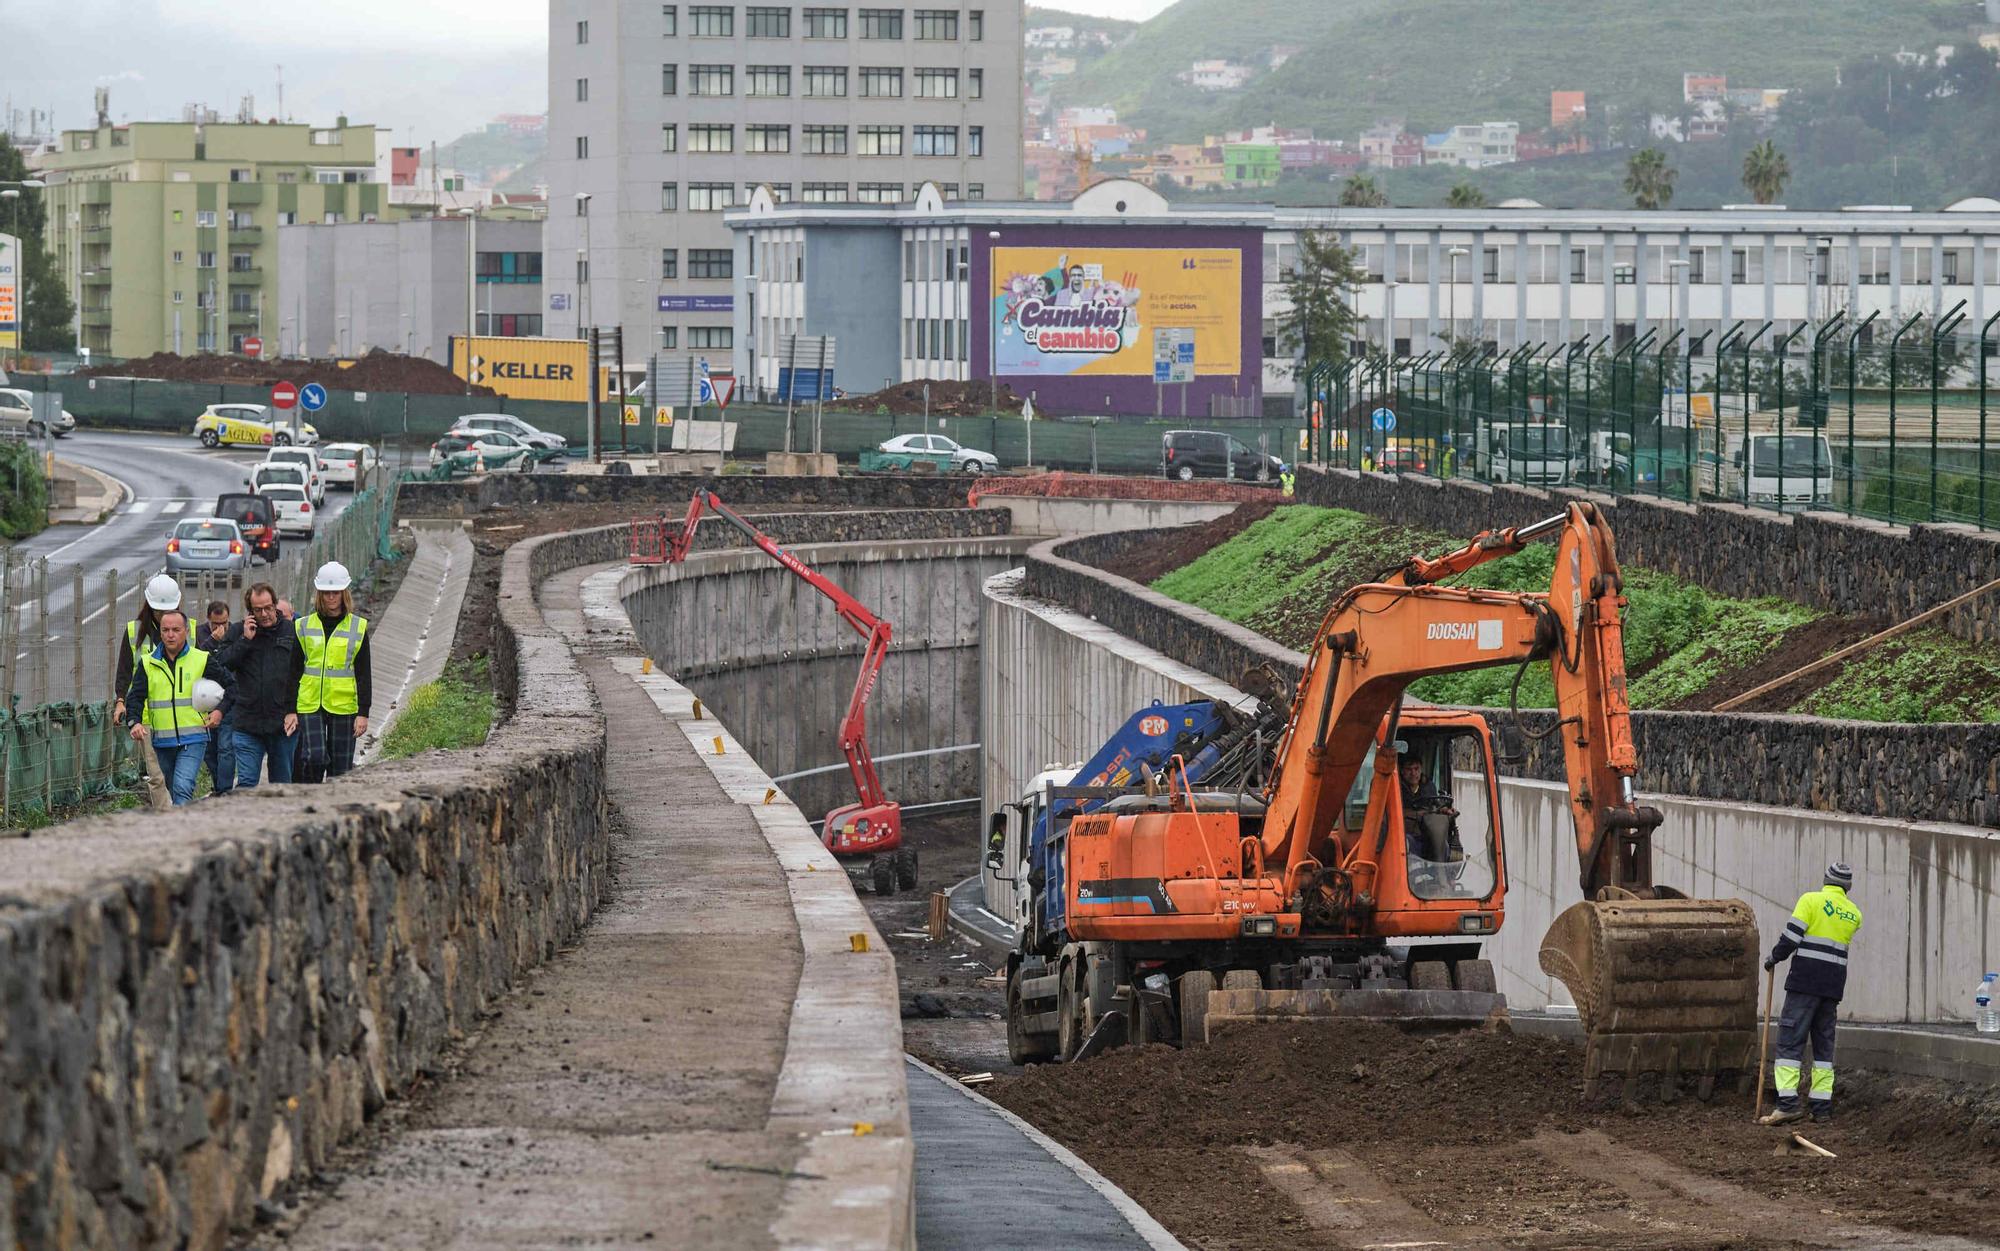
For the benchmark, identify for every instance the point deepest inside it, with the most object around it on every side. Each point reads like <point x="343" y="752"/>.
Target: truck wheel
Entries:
<point x="1475" y="975"/>
<point x="1430" y="975"/>
<point x="882" y="874"/>
<point x="1070" y="1002"/>
<point x="1024" y="1047"/>
<point x="1194" y="988"/>
<point x="1242" y="979"/>
<point x="906" y="868"/>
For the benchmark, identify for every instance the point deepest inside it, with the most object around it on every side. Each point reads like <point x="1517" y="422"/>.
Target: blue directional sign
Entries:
<point x="1384" y="419"/>
<point x="312" y="396"/>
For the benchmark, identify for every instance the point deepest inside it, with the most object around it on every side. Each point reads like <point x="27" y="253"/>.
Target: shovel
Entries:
<point x="1764" y="1039"/>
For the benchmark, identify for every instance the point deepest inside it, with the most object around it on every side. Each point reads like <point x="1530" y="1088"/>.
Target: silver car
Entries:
<point x="15" y="405"/>
<point x="206" y="544"/>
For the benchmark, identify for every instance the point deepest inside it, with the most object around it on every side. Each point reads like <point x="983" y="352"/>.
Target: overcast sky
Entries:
<point x="427" y="69"/>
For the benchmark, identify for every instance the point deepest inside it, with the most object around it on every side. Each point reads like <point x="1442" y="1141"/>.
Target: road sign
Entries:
<point x="253" y="347"/>
<point x="312" y="396"/>
<point x="284" y="395"/>
<point x="1384" y="419"/>
<point x="631" y="417"/>
<point x="663" y="414"/>
<point x="1173" y="355"/>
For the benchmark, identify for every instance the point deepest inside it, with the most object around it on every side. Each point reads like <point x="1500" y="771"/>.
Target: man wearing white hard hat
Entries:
<point x="162" y="595"/>
<point x="175" y="699"/>
<point x="335" y="682"/>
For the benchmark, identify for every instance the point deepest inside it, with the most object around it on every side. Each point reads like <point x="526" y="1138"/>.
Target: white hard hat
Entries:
<point x="163" y="593"/>
<point x="332" y="576"/>
<point x="207" y="695"/>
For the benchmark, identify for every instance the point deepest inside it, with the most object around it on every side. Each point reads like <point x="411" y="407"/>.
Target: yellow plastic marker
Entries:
<point x="697" y="710"/>
<point x="646" y="665"/>
<point x="857" y="942"/>
<point x="718" y="744"/>
<point x="770" y="793"/>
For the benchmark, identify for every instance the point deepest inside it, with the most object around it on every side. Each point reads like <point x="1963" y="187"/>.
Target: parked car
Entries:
<point x="945" y="453"/>
<point x="1191" y="454"/>
<point x="15" y="404"/>
<point x="508" y="424"/>
<point x="496" y="449"/>
<point x="293" y="507"/>
<point x="257" y="425"/>
<point x="256" y="520"/>
<point x="307" y="459"/>
<point x="206" y="544"/>
<point x="347" y="464"/>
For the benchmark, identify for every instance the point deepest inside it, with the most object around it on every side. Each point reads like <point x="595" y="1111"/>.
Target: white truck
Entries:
<point x="1533" y="451"/>
<point x="1767" y="469"/>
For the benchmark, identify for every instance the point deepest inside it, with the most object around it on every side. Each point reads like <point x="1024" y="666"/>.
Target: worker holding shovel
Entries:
<point x="1822" y="925"/>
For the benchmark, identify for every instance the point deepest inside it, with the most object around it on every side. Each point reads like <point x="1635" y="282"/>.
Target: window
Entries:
<point x="1872" y="267"/>
<point x="670" y="262"/>
<point x="288" y="178"/>
<point x="975" y="191"/>
<point x="975" y="19"/>
<point x="878" y="192"/>
<point x="879" y="141"/>
<point x="583" y="32"/>
<point x="1490" y="264"/>
<point x="670" y="197"/>
<point x="937" y="84"/>
<point x="881" y="23"/>
<point x="669" y="79"/>
<point x="1957" y="267"/>
<point x="711" y="138"/>
<point x="824" y="192"/>
<point x="241" y="175"/>
<point x="583" y="206"/>
<point x="975" y="141"/>
<point x="204" y="218"/>
<point x="768" y="80"/>
<point x="670" y="137"/>
<point x="781" y="192"/>
<point x="937" y="24"/>
<point x="934" y="140"/>
<point x="826" y="23"/>
<point x="710" y="197"/>
<point x="826" y="80"/>
<point x="326" y="176"/>
<point x="711" y="338"/>
<point x="881" y="82"/>
<point x="670" y="337"/>
<point x="767" y="22"/>
<point x="949" y="190"/>
<point x="711" y="80"/>
<point x="582" y="90"/>
<point x="1746" y="265"/>
<point x="711" y="263"/>
<point x="204" y="260"/>
<point x="975" y="85"/>
<point x="825" y="141"/>
<point x="511" y="326"/>
<point x="240" y="263"/>
<point x="582" y="270"/>
<point x="717" y="21"/>
<point x="767" y="138"/>
<point x="177" y="256"/>
<point x="288" y="217"/>
<point x="583" y="147"/>
<point x="240" y="302"/>
<point x="670" y="21"/>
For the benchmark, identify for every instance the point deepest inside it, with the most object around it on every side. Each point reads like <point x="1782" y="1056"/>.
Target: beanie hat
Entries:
<point x="1838" y="874"/>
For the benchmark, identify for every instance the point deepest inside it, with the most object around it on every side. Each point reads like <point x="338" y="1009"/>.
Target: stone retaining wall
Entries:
<point x="1909" y="772"/>
<point x="1824" y="559"/>
<point x="671" y="493"/>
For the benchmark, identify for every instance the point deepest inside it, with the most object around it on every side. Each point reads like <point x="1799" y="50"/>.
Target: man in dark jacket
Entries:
<point x="213" y="637"/>
<point x="265" y="661"/>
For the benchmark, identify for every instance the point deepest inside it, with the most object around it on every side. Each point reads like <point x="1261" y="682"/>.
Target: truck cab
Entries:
<point x="1772" y="470"/>
<point x="1532" y="451"/>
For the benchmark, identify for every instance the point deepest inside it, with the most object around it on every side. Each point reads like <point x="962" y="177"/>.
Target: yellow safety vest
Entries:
<point x="170" y="711"/>
<point x="328" y="684"/>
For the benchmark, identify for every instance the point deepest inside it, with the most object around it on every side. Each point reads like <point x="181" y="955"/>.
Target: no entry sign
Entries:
<point x="284" y="395"/>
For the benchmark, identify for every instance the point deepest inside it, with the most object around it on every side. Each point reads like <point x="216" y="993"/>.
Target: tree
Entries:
<point x="1465" y="196"/>
<point x="1360" y="191"/>
<point x="1321" y="321"/>
<point x="49" y="309"/>
<point x="1765" y="173"/>
<point x="1649" y="180"/>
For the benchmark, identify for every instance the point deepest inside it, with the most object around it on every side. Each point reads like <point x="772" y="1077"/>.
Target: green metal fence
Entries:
<point x="1891" y="418"/>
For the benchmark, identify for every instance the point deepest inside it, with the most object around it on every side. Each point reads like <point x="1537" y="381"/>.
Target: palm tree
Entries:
<point x="1765" y="173"/>
<point x="1465" y="196"/>
<point x="1649" y="180"/>
<point x="1360" y="191"/>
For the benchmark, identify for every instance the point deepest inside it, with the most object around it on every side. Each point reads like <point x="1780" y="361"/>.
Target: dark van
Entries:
<point x="1191" y="454"/>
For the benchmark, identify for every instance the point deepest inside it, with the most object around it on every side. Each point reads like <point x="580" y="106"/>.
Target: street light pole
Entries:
<point x="1452" y="333"/>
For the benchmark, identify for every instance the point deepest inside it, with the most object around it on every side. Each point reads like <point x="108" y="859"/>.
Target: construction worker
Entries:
<point x="163" y="594"/>
<point x="163" y="698"/>
<point x="1288" y="479"/>
<point x="335" y="683"/>
<point x="1450" y="455"/>
<point x="1368" y="458"/>
<point x="1822" y="925"/>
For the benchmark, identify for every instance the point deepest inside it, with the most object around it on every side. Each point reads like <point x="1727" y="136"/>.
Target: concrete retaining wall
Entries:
<point x="1048" y="517"/>
<point x="1058" y="683"/>
<point x="1823" y="559"/>
<point x="651" y="493"/>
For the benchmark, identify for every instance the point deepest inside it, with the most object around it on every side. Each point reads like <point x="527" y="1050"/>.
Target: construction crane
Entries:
<point x="1365" y="876"/>
<point x="872" y="826"/>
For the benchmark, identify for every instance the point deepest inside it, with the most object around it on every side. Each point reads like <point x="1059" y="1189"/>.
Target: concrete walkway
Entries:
<point x="412" y="641"/>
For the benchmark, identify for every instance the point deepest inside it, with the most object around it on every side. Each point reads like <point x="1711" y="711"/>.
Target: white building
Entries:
<point x="1474" y="146"/>
<point x="1217" y="75"/>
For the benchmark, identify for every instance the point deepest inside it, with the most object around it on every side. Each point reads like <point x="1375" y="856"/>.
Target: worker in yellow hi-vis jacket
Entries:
<point x="1816" y="941"/>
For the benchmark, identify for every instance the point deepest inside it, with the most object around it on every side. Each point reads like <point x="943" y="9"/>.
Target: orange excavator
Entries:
<point x="1367" y="874"/>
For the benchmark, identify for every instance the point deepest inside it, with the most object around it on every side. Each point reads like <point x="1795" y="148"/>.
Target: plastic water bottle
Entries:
<point x="1986" y="1011"/>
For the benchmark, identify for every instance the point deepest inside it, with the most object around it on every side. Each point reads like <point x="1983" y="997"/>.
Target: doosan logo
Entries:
<point x="1487" y="635"/>
<point x="1456" y="631"/>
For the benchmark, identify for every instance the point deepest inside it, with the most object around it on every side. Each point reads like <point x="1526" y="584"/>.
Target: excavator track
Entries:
<point x="1663" y="986"/>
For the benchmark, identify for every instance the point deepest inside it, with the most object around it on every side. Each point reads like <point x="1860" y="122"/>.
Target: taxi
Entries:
<point x="254" y="425"/>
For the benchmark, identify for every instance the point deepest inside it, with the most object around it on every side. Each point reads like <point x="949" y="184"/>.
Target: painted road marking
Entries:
<point x="138" y="506"/>
<point x="173" y="506"/>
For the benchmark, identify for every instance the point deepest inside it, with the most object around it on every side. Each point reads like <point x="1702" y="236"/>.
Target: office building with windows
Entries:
<point x="665" y="116"/>
<point x="166" y="231"/>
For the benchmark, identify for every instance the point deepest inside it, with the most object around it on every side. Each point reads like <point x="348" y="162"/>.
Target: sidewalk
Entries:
<point x="98" y="495"/>
<point x="412" y="641"/>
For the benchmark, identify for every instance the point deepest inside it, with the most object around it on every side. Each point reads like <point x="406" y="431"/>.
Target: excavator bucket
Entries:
<point x="1666" y="986"/>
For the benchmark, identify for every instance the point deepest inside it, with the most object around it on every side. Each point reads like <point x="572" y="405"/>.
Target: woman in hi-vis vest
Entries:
<point x="335" y="685"/>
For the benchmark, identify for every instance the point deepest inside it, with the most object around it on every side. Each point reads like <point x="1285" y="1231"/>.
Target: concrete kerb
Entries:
<point x="105" y="496"/>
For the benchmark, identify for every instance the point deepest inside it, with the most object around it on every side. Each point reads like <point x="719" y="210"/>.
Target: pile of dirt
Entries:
<point x="376" y="371"/>
<point x="1798" y="648"/>
<point x="1183" y="544"/>
<point x="947" y="399"/>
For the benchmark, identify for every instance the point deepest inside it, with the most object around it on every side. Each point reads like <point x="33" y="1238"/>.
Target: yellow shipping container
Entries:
<point x="528" y="369"/>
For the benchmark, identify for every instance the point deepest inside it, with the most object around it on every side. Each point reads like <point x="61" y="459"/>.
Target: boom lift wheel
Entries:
<point x="906" y="868"/>
<point x="882" y="874"/>
<point x="1194" y="988"/>
<point x="1430" y="975"/>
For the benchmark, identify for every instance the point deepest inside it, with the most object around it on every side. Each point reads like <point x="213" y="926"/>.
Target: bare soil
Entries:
<point x="1184" y="544"/>
<point x="947" y="399"/>
<point x="376" y="371"/>
<point x="1799" y="647"/>
<point x="1480" y="1138"/>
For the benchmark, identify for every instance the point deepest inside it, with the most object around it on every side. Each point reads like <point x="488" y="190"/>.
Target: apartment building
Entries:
<point x="662" y="117"/>
<point x="166" y="231"/>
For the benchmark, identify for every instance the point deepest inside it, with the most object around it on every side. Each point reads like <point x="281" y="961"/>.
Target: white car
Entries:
<point x="347" y="464"/>
<point x="15" y="405"/>
<point x="308" y="459"/>
<point x="506" y="424"/>
<point x="257" y="425"/>
<point x="496" y="447"/>
<point x="276" y="473"/>
<point x="960" y="458"/>
<point x="294" y="510"/>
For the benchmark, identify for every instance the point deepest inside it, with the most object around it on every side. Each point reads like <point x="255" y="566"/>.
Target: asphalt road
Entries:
<point x="166" y="478"/>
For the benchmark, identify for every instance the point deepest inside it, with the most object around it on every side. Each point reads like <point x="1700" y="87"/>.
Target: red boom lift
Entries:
<point x="872" y="826"/>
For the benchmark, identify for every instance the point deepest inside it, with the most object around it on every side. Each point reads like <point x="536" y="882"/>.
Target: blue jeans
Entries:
<point x="221" y="752"/>
<point x="182" y="765"/>
<point x="252" y="750"/>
